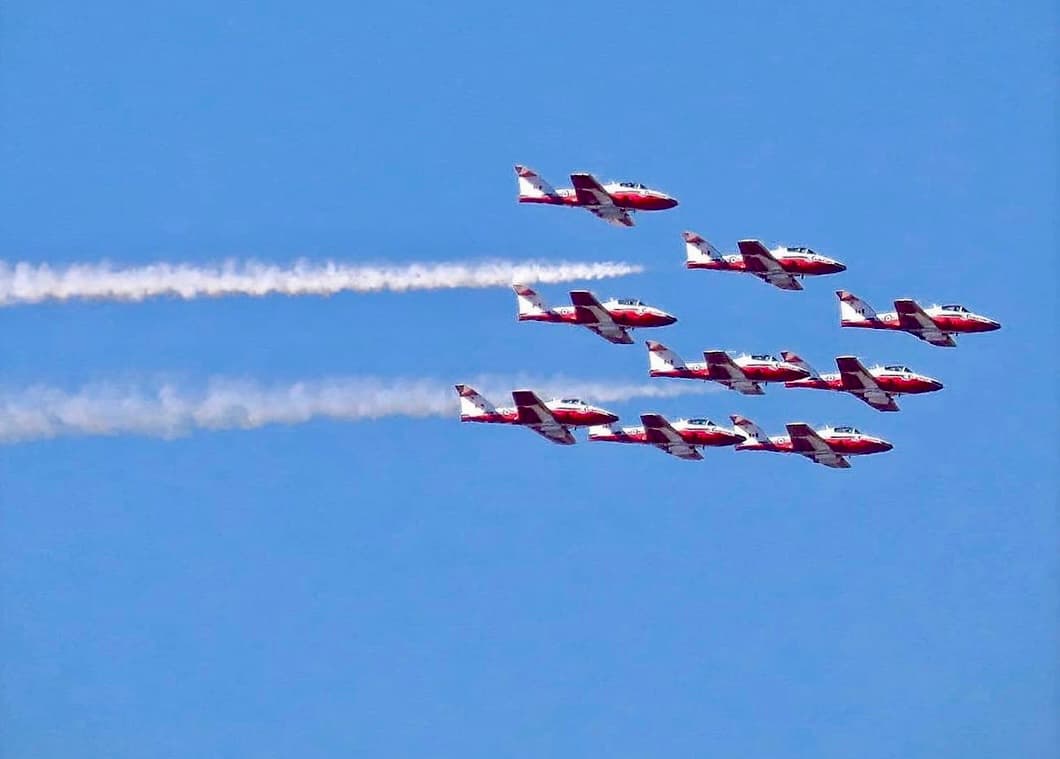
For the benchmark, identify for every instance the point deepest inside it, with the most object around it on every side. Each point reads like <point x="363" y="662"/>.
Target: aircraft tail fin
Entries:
<point x="852" y="308"/>
<point x="472" y="404"/>
<point x="799" y="361"/>
<point x="662" y="359"/>
<point x="752" y="434"/>
<point x="699" y="250"/>
<point x="530" y="304"/>
<point x="532" y="186"/>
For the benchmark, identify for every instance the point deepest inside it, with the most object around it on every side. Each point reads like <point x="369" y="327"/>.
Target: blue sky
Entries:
<point x="412" y="587"/>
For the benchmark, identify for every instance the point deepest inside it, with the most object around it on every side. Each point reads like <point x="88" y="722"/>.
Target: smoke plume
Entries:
<point x="33" y="283"/>
<point x="173" y="409"/>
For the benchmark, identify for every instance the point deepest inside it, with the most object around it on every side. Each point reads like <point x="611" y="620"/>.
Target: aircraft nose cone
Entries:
<point x="838" y="267"/>
<point x="669" y="202"/>
<point x="885" y="446"/>
<point x="935" y="384"/>
<point x="609" y="417"/>
<point x="992" y="325"/>
<point x="668" y="319"/>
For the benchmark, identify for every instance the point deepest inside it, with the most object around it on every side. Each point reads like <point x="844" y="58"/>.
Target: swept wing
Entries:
<point x="806" y="441"/>
<point x="914" y="320"/>
<point x="663" y="436"/>
<point x="760" y="262"/>
<point x="724" y="370"/>
<point x="594" y="198"/>
<point x="592" y="315"/>
<point x="857" y="381"/>
<point x="533" y="413"/>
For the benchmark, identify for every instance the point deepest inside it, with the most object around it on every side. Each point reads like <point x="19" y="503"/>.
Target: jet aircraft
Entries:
<point x="681" y="438"/>
<point x="552" y="419"/>
<point x="745" y="373"/>
<point x="936" y="324"/>
<point x="828" y="445"/>
<point x="877" y="386"/>
<point x="611" y="319"/>
<point x="612" y="202"/>
<point x="778" y="267"/>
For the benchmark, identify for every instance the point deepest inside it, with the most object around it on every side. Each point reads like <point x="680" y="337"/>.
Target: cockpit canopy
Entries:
<point x="573" y="402"/>
<point x="702" y="422"/>
<point x="848" y="430"/>
<point x="628" y="302"/>
<point x="633" y="185"/>
<point x="898" y="368"/>
<point x="802" y="249"/>
<point x="763" y="357"/>
<point x="955" y="307"/>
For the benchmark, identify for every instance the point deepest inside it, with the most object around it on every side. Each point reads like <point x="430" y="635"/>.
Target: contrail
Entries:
<point x="32" y="283"/>
<point x="169" y="410"/>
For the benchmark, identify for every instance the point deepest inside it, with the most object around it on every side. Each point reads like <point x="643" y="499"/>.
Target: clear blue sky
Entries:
<point x="425" y="588"/>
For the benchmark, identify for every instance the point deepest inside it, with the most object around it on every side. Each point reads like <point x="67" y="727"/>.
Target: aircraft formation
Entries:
<point x="748" y="373"/>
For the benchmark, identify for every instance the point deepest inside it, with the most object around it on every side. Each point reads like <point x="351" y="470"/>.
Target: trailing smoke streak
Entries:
<point x="167" y="410"/>
<point x="33" y="283"/>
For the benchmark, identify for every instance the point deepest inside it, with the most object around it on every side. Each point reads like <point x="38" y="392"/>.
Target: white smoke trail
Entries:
<point x="167" y="410"/>
<point x="33" y="283"/>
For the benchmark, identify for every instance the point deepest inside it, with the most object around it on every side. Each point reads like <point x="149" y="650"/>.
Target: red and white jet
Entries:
<point x="778" y="267"/>
<point x="877" y="386"/>
<point x="828" y="445"/>
<point x="611" y="319"/>
<point x="745" y="373"/>
<point x="682" y="438"/>
<point x="936" y="324"/>
<point x="553" y="419"/>
<point x="613" y="202"/>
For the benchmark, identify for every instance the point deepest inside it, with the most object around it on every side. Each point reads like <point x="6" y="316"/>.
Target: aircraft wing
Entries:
<point x="805" y="440"/>
<point x="612" y="215"/>
<point x="663" y="436"/>
<point x="724" y="370"/>
<point x="590" y="192"/>
<point x="914" y="320"/>
<point x="592" y="315"/>
<point x="614" y="333"/>
<point x="760" y="262"/>
<point x="857" y="380"/>
<point x="598" y="201"/>
<point x="533" y="413"/>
